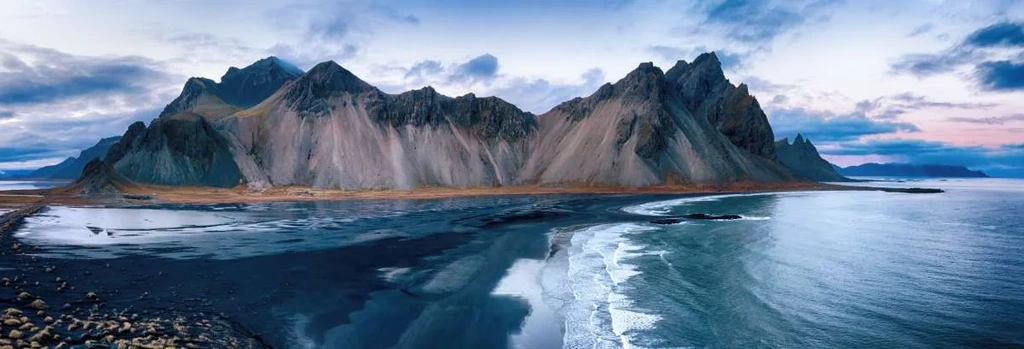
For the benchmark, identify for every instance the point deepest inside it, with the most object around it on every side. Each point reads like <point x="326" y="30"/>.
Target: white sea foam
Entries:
<point x="541" y="326"/>
<point x="600" y="314"/>
<point x="662" y="208"/>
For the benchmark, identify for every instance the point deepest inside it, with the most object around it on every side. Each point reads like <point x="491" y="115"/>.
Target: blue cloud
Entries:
<point x="482" y="67"/>
<point x="991" y="120"/>
<point x="540" y="95"/>
<point x="1006" y="34"/>
<point x="928" y="64"/>
<point x="55" y="76"/>
<point x="1001" y="161"/>
<point x="1001" y="76"/>
<point x="424" y="68"/>
<point x="6" y="114"/>
<point x="922" y="29"/>
<point x="759" y="20"/>
<point x="829" y="127"/>
<point x="993" y="75"/>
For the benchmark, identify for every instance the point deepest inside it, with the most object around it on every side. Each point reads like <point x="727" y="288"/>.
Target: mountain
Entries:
<point x="270" y="125"/>
<point x="637" y="132"/>
<point x="181" y="147"/>
<point x="803" y="159"/>
<point x="909" y="170"/>
<point x="71" y="167"/>
<point x="706" y="93"/>
<point x="331" y="129"/>
<point x="98" y="179"/>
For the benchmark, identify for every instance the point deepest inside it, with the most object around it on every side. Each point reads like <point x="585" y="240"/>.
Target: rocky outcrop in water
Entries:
<point x="72" y="167"/>
<point x="803" y="159"/>
<point x="706" y="93"/>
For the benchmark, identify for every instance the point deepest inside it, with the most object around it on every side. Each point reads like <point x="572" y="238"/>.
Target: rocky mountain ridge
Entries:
<point x="71" y="167"/>
<point x="328" y="128"/>
<point x="803" y="159"/>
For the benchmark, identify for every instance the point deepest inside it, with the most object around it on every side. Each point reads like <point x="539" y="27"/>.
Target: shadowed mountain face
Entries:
<point x="706" y="93"/>
<point x="72" y="167"/>
<point x="181" y="147"/>
<point x="328" y="128"/>
<point x="909" y="170"/>
<point x="803" y="159"/>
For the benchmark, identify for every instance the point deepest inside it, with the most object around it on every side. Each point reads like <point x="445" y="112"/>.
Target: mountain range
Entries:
<point x="271" y="124"/>
<point x="909" y="170"/>
<point x="71" y="167"/>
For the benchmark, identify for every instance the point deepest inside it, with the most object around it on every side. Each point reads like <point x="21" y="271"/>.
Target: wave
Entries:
<point x="663" y="208"/>
<point x="600" y="312"/>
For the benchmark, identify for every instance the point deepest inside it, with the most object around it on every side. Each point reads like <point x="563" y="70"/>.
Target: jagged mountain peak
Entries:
<point x="309" y="94"/>
<point x="800" y="139"/>
<point x="268" y="65"/>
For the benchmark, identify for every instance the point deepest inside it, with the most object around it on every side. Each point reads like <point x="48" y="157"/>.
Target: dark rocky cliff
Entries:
<point x="181" y="147"/>
<point x="706" y="93"/>
<point x="803" y="159"/>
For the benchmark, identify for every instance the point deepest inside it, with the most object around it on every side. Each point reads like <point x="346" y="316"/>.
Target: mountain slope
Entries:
<point x="71" y="167"/>
<point x="637" y="132"/>
<point x="803" y="159"/>
<point x="331" y="129"/>
<point x="911" y="170"/>
<point x="181" y="147"/>
<point x="706" y="93"/>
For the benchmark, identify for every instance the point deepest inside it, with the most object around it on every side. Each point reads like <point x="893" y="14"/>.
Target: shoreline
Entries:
<point x="157" y="194"/>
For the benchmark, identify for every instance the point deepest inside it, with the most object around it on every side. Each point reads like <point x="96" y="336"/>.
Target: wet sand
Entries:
<point x="149" y="194"/>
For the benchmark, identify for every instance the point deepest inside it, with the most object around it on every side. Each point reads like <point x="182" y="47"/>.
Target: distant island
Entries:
<point x="909" y="170"/>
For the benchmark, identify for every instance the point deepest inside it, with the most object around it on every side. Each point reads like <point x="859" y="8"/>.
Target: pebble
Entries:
<point x="38" y="304"/>
<point x="24" y="296"/>
<point x="15" y="334"/>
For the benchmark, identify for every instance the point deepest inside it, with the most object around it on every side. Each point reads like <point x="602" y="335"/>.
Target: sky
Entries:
<point x="926" y="81"/>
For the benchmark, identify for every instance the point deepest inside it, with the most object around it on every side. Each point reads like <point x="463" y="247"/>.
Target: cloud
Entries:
<point x="830" y="127"/>
<point x="55" y="104"/>
<point x="909" y="100"/>
<point x="929" y="64"/>
<point x="50" y="75"/>
<point x="393" y="14"/>
<point x="758" y="21"/>
<point x="424" y="68"/>
<point x="991" y="120"/>
<point x="541" y="95"/>
<point x="482" y="67"/>
<point x="1003" y="161"/>
<point x="482" y="75"/>
<point x="1005" y="34"/>
<point x="331" y="30"/>
<point x="922" y="29"/>
<point x="1000" y="76"/>
<point x="975" y="49"/>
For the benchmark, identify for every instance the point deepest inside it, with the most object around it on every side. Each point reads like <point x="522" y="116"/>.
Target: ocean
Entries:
<point x="802" y="269"/>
